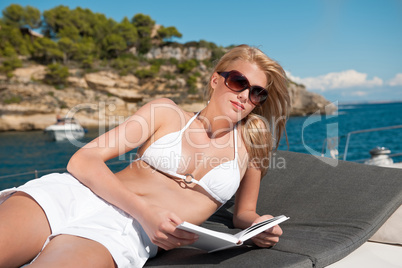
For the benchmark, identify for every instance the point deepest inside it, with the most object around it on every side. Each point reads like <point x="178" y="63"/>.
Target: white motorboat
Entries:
<point x="65" y="129"/>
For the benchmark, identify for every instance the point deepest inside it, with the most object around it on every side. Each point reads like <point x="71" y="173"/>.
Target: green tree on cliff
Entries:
<point x="19" y="17"/>
<point x="47" y="50"/>
<point x="67" y="46"/>
<point x="80" y="37"/>
<point x="56" y="75"/>
<point x="76" y="32"/>
<point x="32" y="17"/>
<point x="168" y="32"/>
<point x="113" y="45"/>
<point x="55" y="19"/>
<point x="144" y="25"/>
<point x="127" y="31"/>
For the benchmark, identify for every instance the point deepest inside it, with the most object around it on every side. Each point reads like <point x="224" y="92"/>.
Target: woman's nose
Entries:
<point x="243" y="96"/>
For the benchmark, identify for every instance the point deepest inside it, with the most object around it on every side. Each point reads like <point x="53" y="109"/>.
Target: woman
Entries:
<point x="188" y="166"/>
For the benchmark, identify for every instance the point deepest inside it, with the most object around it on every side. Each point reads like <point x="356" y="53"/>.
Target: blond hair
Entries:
<point x="265" y="123"/>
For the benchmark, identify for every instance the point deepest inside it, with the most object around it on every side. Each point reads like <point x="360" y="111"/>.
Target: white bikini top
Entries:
<point x="165" y="155"/>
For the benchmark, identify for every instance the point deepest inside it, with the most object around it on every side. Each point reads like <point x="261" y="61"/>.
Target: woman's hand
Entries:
<point x="268" y="238"/>
<point x="160" y="226"/>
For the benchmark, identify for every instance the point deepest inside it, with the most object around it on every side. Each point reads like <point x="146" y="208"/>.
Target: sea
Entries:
<point x="360" y="126"/>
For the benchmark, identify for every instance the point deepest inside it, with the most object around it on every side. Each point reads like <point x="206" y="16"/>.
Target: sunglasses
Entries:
<point x="237" y="82"/>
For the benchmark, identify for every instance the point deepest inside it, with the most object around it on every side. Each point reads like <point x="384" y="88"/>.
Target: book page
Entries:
<point x="209" y="240"/>
<point x="260" y="227"/>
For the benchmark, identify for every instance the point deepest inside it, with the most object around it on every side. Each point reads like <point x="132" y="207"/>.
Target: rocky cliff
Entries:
<point x="106" y="98"/>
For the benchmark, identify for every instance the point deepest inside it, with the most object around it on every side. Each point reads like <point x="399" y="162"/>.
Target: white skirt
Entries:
<point x="72" y="208"/>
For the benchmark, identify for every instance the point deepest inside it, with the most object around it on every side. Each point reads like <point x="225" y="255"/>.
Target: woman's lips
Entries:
<point x="238" y="105"/>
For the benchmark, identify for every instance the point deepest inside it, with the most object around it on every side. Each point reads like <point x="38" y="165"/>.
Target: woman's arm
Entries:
<point x="245" y="209"/>
<point x="88" y="166"/>
<point x="246" y="199"/>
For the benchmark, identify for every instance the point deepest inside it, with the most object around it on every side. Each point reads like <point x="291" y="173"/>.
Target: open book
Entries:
<point x="213" y="241"/>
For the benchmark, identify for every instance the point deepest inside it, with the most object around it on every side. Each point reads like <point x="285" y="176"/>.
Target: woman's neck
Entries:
<point x="214" y="124"/>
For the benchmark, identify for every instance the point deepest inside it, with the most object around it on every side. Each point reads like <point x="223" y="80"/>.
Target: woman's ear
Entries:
<point x="214" y="80"/>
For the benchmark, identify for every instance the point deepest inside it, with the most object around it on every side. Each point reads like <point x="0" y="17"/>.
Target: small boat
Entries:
<point x="65" y="129"/>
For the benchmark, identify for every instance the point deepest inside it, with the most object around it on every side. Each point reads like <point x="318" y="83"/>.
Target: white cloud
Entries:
<point x="396" y="81"/>
<point x="355" y="93"/>
<point x="345" y="79"/>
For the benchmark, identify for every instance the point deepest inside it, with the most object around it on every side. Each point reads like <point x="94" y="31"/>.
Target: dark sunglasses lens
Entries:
<point x="236" y="81"/>
<point x="258" y="95"/>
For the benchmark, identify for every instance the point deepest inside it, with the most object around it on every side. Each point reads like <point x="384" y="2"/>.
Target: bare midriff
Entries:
<point x="188" y="201"/>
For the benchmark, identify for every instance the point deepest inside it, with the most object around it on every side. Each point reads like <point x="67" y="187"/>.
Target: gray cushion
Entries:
<point x="332" y="210"/>
<point x="236" y="257"/>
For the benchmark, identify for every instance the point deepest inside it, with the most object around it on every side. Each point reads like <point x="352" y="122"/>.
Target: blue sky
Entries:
<point x="345" y="50"/>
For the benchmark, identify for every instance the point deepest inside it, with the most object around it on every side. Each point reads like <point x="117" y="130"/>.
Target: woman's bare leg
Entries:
<point x="23" y="230"/>
<point x="73" y="251"/>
